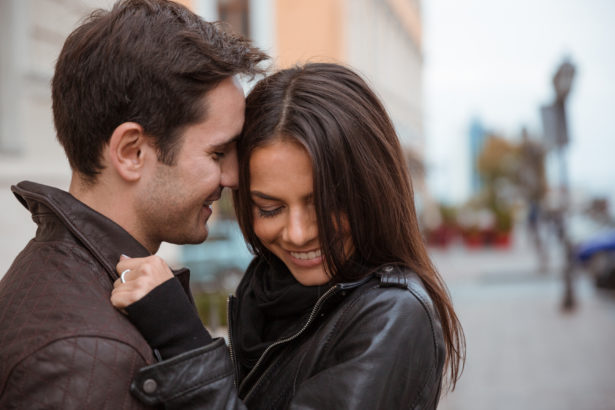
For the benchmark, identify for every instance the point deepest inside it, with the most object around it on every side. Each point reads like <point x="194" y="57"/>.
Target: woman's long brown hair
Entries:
<point x="360" y="179"/>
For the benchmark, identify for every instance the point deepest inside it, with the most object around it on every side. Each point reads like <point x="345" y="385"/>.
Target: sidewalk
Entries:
<point x="522" y="351"/>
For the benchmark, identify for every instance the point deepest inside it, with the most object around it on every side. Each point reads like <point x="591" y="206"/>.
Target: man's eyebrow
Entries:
<point x="224" y="145"/>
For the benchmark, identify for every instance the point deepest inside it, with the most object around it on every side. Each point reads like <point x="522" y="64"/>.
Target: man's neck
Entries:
<point x="112" y="201"/>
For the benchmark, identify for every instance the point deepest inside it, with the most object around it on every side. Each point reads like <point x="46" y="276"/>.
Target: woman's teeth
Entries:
<point x="306" y="255"/>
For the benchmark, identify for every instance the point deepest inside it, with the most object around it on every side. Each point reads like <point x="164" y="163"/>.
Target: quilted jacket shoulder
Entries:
<point x="61" y="341"/>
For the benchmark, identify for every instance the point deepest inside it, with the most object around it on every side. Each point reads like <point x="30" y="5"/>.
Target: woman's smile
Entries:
<point x="306" y="259"/>
<point x="306" y="255"/>
<point x="285" y="222"/>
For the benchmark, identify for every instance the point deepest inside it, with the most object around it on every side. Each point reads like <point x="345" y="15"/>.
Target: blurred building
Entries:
<point x="477" y="142"/>
<point x="379" y="38"/>
<point x="31" y="36"/>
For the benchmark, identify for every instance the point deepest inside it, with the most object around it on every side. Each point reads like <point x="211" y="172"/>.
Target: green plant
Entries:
<point x="212" y="307"/>
<point x="503" y="219"/>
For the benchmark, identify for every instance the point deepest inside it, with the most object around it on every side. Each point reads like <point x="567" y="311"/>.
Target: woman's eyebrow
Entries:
<point x="261" y="195"/>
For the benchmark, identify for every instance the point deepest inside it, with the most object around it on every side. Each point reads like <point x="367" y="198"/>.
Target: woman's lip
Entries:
<point x="308" y="251"/>
<point x="305" y="263"/>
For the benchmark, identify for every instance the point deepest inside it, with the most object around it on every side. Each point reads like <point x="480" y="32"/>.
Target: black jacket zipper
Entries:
<point x="310" y="320"/>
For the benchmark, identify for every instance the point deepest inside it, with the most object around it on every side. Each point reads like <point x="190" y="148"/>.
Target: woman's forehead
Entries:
<point x="282" y="166"/>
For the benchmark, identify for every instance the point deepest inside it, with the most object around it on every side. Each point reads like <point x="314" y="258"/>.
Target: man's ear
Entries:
<point x="127" y="148"/>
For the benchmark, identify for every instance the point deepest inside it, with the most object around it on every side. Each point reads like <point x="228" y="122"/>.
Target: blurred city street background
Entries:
<point x="523" y="350"/>
<point x="504" y="111"/>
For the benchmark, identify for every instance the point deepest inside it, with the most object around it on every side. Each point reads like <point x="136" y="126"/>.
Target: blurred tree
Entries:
<point x="531" y="175"/>
<point x="508" y="171"/>
<point x="498" y="159"/>
<point x="498" y="164"/>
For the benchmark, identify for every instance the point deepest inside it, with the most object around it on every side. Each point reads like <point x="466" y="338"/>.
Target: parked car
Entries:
<point x="594" y="245"/>
<point x="219" y="262"/>
<point x="597" y="253"/>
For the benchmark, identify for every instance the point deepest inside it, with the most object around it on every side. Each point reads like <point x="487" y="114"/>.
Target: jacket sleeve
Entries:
<point x="70" y="374"/>
<point x="168" y="320"/>
<point x="198" y="379"/>
<point x="384" y="353"/>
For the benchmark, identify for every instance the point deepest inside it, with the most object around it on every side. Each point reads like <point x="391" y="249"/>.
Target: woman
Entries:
<point x="341" y="307"/>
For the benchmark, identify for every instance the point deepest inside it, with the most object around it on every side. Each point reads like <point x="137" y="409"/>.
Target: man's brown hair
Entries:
<point x="144" y="61"/>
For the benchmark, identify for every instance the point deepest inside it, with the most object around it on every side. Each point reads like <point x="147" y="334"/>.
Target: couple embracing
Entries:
<point x="340" y="307"/>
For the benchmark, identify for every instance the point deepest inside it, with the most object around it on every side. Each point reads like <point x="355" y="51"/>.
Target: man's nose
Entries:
<point x="230" y="171"/>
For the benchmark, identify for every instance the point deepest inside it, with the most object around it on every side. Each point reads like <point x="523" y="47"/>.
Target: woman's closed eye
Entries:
<point x="218" y="155"/>
<point x="268" y="213"/>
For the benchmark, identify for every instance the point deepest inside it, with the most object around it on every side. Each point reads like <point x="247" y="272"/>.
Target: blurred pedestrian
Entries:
<point x="533" y="182"/>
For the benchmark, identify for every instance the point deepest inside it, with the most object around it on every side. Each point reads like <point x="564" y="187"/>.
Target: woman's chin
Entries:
<point x="314" y="276"/>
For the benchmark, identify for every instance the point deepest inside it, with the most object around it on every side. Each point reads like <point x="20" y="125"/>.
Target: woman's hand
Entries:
<point x="143" y="275"/>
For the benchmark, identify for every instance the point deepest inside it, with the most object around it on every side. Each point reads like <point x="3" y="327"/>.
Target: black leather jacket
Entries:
<point x="373" y="344"/>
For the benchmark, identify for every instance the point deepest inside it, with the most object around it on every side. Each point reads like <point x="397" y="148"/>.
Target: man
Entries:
<point x="147" y="108"/>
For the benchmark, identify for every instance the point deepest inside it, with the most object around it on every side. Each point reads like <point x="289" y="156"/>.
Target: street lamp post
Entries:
<point x="556" y="135"/>
<point x="562" y="81"/>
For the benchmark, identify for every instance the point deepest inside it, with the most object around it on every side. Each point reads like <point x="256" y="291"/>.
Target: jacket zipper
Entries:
<point x="230" y="340"/>
<point x="285" y="340"/>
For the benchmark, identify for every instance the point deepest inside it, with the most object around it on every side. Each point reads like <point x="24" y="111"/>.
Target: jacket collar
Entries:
<point x="102" y="237"/>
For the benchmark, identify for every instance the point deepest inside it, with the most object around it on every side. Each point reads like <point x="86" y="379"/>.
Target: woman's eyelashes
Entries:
<point x="268" y="213"/>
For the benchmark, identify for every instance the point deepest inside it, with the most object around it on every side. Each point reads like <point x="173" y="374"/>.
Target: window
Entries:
<point x="236" y="13"/>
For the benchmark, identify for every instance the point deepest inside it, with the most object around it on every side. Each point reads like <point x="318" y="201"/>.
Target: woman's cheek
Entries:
<point x="262" y="229"/>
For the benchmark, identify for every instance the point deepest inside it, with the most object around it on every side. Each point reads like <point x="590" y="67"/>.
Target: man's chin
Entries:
<point x="199" y="239"/>
<point x="193" y="239"/>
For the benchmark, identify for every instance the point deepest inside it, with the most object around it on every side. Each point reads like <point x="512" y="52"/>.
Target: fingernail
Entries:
<point x="122" y="257"/>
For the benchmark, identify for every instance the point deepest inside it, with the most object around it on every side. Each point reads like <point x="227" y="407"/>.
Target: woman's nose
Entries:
<point x="301" y="228"/>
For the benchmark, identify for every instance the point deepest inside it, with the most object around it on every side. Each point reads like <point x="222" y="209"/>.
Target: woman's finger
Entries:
<point x="138" y="276"/>
<point x="131" y="264"/>
<point x="121" y="299"/>
<point x="153" y="266"/>
<point x="126" y="294"/>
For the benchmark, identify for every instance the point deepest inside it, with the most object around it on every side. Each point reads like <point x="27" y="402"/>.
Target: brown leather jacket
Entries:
<point x="62" y="344"/>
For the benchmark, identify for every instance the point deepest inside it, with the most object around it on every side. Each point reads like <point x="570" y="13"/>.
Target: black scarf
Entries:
<point x="272" y="305"/>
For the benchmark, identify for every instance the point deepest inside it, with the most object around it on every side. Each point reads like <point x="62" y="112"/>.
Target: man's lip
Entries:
<point x="216" y="195"/>
<point x="209" y="202"/>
